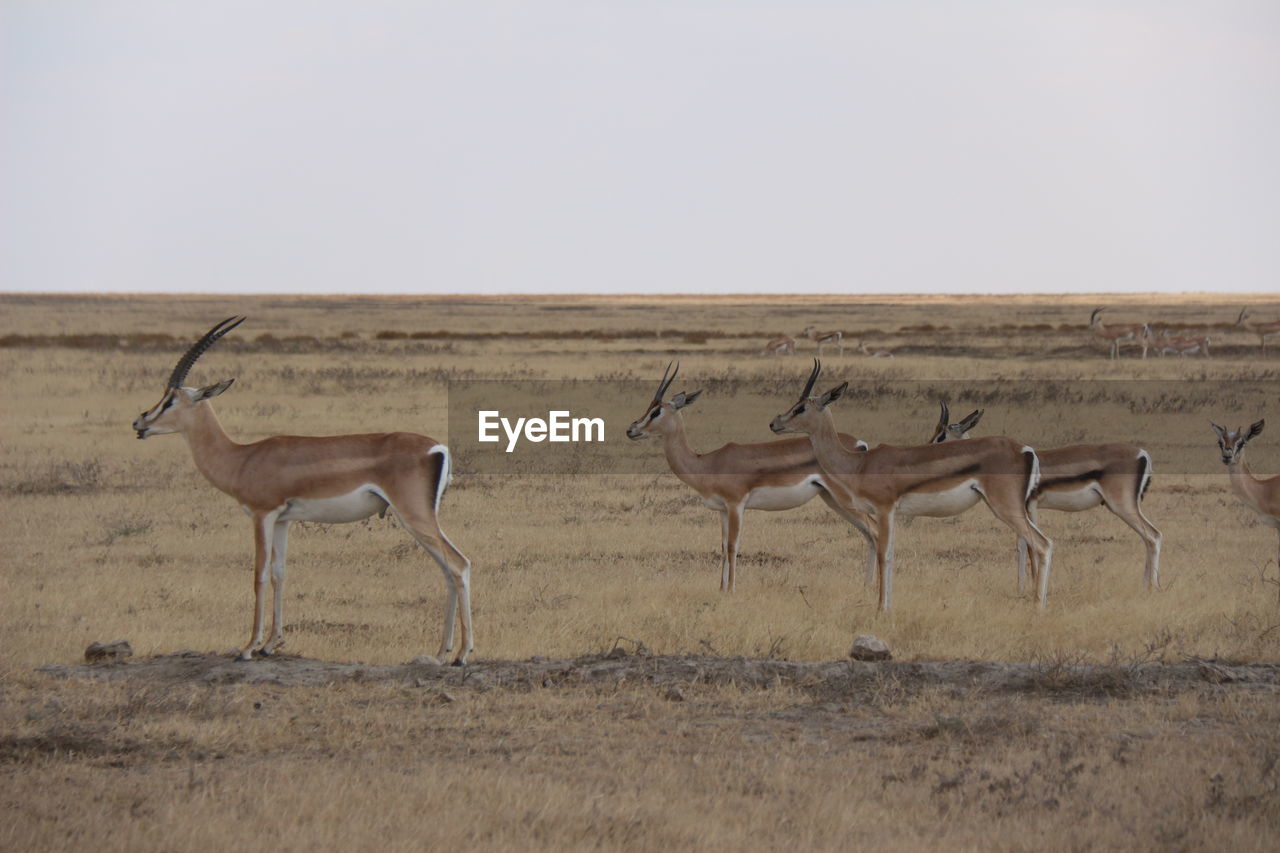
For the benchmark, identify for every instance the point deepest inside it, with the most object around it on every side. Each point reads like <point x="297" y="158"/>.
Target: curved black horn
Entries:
<point x="813" y="377"/>
<point x="1240" y="319"/>
<point x="198" y="348"/>
<point x="666" y="380"/>
<point x="1094" y="315"/>
<point x="945" y="415"/>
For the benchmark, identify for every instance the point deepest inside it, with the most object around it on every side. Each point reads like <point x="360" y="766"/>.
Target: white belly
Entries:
<point x="1076" y="500"/>
<point x="953" y="501"/>
<point x="357" y="505"/>
<point x="783" y="497"/>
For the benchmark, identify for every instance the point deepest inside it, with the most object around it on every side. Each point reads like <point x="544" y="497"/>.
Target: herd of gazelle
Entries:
<point x="786" y="345"/>
<point x="346" y="478"/>
<point x="1168" y="344"/>
<point x="1114" y="335"/>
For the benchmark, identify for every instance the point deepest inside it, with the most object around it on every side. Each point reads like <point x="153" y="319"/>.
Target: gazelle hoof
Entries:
<point x="458" y="662"/>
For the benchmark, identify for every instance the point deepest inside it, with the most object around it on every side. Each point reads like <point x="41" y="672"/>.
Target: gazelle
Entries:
<point x="1174" y="345"/>
<point x="1081" y="477"/>
<point x="334" y="479"/>
<point x="822" y="339"/>
<point x="773" y="475"/>
<point x="780" y="346"/>
<point x="873" y="353"/>
<point x="947" y="431"/>
<point x="1138" y="332"/>
<point x="1262" y="330"/>
<point x="930" y="479"/>
<point x="1261" y="496"/>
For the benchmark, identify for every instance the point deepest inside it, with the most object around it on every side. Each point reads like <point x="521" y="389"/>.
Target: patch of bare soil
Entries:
<point x="830" y="681"/>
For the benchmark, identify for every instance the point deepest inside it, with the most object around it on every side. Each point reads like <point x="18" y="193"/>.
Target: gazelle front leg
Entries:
<point x="731" y="533"/>
<point x="279" y="544"/>
<point x="884" y="559"/>
<point x="263" y="529"/>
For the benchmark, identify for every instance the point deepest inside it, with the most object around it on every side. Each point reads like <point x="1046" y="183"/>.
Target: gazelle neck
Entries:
<point x="215" y="454"/>
<point x="682" y="458"/>
<point x="826" y="441"/>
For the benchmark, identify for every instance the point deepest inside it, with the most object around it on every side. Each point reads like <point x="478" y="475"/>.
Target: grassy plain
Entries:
<point x="108" y="537"/>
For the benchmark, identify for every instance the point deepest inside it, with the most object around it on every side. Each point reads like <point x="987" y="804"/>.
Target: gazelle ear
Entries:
<point x="970" y="420"/>
<point x="683" y="399"/>
<point x="1222" y="433"/>
<point x="1255" y="429"/>
<point x="831" y="396"/>
<point x="211" y="391"/>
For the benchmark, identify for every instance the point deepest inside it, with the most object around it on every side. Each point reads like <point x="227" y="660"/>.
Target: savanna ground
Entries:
<point x="616" y="699"/>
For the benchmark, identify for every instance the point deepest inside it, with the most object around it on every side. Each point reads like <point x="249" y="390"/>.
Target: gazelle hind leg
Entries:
<point x="1130" y="512"/>
<point x="1012" y="510"/>
<point x="457" y="575"/>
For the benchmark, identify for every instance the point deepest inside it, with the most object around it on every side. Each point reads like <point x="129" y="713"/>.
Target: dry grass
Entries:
<point x="109" y="537"/>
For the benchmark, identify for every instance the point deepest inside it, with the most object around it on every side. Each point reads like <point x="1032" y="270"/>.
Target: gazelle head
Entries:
<point x="946" y="431"/>
<point x="1232" y="442"/>
<point x="1244" y="312"/>
<point x="173" y="412"/>
<point x="801" y="417"/>
<point x="659" y="417"/>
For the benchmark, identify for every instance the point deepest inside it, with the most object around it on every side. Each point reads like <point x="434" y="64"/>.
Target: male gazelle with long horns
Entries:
<point x="1083" y="476"/>
<point x="772" y="475"/>
<point x="333" y="479"/>
<point x="824" y="339"/>
<point x="1261" y="496"/>
<point x="1113" y="335"/>
<point x="1262" y="330"/>
<point x="951" y="476"/>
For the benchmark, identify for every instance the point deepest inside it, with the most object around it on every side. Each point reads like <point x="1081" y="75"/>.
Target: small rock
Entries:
<point x="617" y="652"/>
<point x="869" y="647"/>
<point x="424" y="660"/>
<point x="108" y="652"/>
<point x="445" y="698"/>
<point x="674" y="694"/>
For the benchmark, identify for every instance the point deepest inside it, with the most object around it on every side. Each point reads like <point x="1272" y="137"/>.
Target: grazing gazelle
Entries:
<point x="1175" y="345"/>
<point x="1262" y="330"/>
<point x="772" y="475"/>
<point x="929" y="479"/>
<point x="780" y="346"/>
<point x="1261" y="496"/>
<point x="1139" y="332"/>
<point x="1081" y="477"/>
<point x="873" y="353"/>
<point x="822" y="339"/>
<point x="335" y="479"/>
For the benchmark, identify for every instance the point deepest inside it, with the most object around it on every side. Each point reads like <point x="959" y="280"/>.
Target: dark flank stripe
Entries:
<point x="964" y="472"/>
<point x="1144" y="477"/>
<point x="1075" y="479"/>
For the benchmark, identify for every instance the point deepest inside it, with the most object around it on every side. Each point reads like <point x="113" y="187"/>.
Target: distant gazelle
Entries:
<point x="947" y="478"/>
<point x="1261" y="496"/>
<point x="1084" y="476"/>
<point x="823" y="339"/>
<point x="873" y="353"/>
<point x="780" y="346"/>
<point x="334" y="479"/>
<point x="1114" y="335"/>
<point x="1262" y="330"/>
<point x="1176" y="345"/>
<point x="772" y="475"/>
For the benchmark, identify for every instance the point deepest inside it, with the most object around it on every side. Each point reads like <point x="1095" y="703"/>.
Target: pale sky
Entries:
<point x="314" y="146"/>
